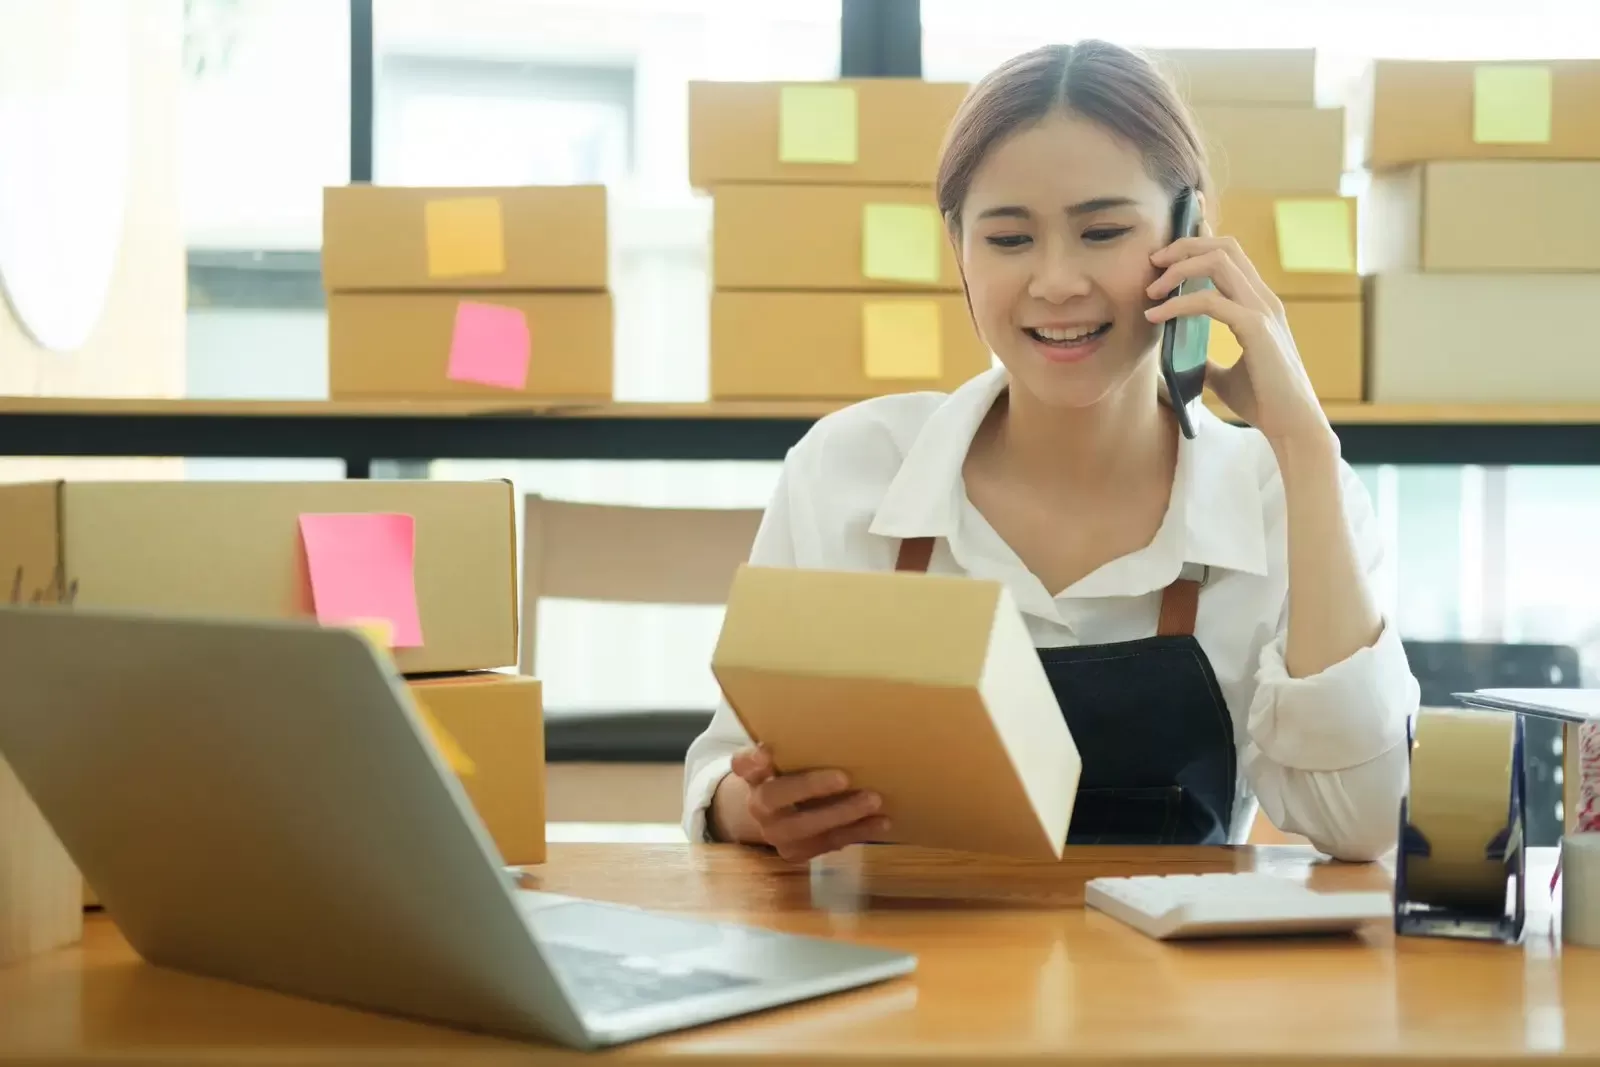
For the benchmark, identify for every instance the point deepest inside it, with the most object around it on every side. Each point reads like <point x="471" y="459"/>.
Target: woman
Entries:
<point x="1247" y="552"/>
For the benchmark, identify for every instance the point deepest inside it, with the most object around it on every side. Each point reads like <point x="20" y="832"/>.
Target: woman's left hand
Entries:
<point x="1268" y="387"/>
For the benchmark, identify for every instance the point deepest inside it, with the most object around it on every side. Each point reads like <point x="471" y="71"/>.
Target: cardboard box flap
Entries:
<point x="925" y="689"/>
<point x="31" y="565"/>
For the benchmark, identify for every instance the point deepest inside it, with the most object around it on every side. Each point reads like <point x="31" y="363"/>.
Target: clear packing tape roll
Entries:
<point x="1580" y="889"/>
<point x="1461" y="781"/>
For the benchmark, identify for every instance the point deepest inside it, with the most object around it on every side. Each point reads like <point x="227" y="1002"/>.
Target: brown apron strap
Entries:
<point x="1180" y="601"/>
<point x="915" y="554"/>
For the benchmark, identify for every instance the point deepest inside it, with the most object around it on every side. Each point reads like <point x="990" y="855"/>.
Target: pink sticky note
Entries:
<point x="490" y="345"/>
<point x="363" y="566"/>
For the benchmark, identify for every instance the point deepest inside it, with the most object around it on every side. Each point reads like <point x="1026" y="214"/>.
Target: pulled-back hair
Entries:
<point x="1102" y="82"/>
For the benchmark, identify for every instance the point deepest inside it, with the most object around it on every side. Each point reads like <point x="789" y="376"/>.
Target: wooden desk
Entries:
<point x="1012" y="969"/>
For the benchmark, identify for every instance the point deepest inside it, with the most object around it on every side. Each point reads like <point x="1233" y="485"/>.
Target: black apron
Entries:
<point x="1151" y="726"/>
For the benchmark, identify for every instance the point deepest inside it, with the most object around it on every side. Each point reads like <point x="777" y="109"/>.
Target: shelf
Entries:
<point x="730" y="430"/>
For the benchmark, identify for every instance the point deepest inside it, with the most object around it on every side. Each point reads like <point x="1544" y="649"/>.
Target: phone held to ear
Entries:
<point x="1184" y="340"/>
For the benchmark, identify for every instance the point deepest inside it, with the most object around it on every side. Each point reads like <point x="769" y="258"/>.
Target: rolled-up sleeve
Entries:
<point x="710" y="755"/>
<point x="1326" y="754"/>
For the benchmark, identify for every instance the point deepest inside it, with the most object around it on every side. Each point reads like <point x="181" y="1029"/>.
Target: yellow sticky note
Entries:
<point x="901" y="339"/>
<point x="817" y="124"/>
<point x="1315" y="236"/>
<point x="465" y="237"/>
<point x="454" y="755"/>
<point x="1222" y="348"/>
<point x="380" y="632"/>
<point x="1511" y="104"/>
<point x="900" y="242"/>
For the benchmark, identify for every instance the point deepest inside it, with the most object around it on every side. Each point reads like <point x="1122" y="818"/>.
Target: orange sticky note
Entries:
<point x="378" y="632"/>
<point x="362" y="567"/>
<point x="900" y="339"/>
<point x="455" y="757"/>
<point x="900" y="242"/>
<point x="490" y="345"/>
<point x="465" y="237"/>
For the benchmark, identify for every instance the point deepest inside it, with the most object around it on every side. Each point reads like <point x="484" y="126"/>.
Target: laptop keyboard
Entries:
<point x="604" y="982"/>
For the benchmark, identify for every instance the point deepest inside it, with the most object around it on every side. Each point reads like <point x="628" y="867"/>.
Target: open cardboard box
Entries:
<point x="924" y="688"/>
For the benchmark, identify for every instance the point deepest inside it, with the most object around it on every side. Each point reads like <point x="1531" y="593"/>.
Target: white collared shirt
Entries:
<point x="1325" y="755"/>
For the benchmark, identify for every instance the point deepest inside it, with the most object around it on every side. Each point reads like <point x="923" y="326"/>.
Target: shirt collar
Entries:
<point x="1214" y="518"/>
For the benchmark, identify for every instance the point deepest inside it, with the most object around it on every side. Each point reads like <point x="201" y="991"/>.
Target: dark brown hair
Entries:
<point x="1102" y="82"/>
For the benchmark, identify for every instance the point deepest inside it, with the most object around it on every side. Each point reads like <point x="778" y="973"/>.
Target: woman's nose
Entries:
<point x="1058" y="276"/>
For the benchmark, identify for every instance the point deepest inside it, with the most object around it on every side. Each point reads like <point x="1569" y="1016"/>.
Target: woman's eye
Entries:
<point x="1106" y="234"/>
<point x="1009" y="240"/>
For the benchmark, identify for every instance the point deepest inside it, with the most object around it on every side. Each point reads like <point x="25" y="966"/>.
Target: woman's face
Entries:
<point x="1057" y="231"/>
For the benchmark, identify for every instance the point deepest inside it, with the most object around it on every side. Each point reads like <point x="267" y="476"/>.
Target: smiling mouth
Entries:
<point x="1073" y="338"/>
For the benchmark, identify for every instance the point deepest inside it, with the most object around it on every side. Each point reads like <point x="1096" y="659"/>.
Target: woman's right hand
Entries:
<point x="801" y="815"/>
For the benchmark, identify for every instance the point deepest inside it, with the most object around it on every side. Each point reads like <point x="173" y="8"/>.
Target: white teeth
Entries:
<point x="1066" y="335"/>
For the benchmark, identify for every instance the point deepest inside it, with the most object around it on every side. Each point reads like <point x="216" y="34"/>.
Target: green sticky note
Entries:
<point x="900" y="339"/>
<point x="817" y="124"/>
<point x="1314" y="236"/>
<point x="900" y="243"/>
<point x="1511" y="104"/>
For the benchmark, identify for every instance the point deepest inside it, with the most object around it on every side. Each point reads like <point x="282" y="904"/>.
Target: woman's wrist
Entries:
<point x="721" y="813"/>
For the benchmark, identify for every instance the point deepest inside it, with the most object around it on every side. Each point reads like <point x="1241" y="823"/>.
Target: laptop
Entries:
<point x="1564" y="705"/>
<point x="258" y="802"/>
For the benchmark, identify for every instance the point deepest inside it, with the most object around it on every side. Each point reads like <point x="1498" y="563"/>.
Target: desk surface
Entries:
<point x="1012" y="969"/>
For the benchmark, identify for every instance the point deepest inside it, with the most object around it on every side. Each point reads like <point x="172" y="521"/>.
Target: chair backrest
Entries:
<point x="628" y="554"/>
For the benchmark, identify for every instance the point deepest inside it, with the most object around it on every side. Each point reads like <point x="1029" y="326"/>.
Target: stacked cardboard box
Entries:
<point x="1481" y="230"/>
<point x="463" y="293"/>
<point x="833" y="277"/>
<point x="1277" y="160"/>
<point x="431" y="565"/>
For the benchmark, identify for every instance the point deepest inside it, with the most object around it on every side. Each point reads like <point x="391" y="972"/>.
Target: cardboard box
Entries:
<point x="1283" y="76"/>
<point x="490" y="728"/>
<point x="926" y="689"/>
<point x="1414" y="111"/>
<point x="493" y="345"/>
<point x="236" y="549"/>
<point x="1482" y="338"/>
<point x="830" y="237"/>
<point x="525" y="237"/>
<point x="816" y="345"/>
<point x="1279" y="150"/>
<point x="856" y="131"/>
<point x="1295" y="242"/>
<point x="1486" y="215"/>
<point x="1328" y="334"/>
<point x="41" y="891"/>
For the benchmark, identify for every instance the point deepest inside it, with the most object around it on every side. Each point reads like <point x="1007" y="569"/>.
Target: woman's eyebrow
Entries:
<point x="1087" y="207"/>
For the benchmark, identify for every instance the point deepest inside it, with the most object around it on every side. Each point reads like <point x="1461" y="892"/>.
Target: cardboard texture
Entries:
<point x="815" y="345"/>
<point x="422" y="346"/>
<point x="1415" y="111"/>
<point x="525" y="237"/>
<point x="926" y="689"/>
<point x="1328" y="334"/>
<point x="830" y="235"/>
<point x="1283" y="76"/>
<point x="1283" y="235"/>
<point x="1482" y="338"/>
<point x="1487" y="215"/>
<point x="495" y="724"/>
<point x="1279" y="150"/>
<point x="236" y="549"/>
<point x="42" y="894"/>
<point x="801" y="132"/>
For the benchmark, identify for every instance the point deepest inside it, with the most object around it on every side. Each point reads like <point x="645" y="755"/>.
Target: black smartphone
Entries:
<point x="1184" y="340"/>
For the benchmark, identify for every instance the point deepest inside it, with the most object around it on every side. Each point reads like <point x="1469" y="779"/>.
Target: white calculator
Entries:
<point x="1175" y="906"/>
